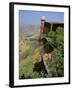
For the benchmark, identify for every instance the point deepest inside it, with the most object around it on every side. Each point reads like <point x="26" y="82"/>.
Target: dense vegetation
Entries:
<point x="30" y="65"/>
<point x="56" y="66"/>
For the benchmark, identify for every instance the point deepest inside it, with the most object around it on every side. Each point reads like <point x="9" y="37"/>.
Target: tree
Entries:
<point x="56" y="66"/>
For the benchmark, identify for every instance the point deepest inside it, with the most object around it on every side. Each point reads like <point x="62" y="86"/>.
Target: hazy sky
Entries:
<point x="33" y="17"/>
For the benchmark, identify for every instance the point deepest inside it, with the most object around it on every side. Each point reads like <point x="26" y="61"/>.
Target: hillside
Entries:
<point x="28" y="31"/>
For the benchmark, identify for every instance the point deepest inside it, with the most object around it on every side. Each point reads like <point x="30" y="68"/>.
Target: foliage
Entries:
<point x="60" y="36"/>
<point x="31" y="67"/>
<point x="56" y="37"/>
<point x="25" y="68"/>
<point x="56" y="66"/>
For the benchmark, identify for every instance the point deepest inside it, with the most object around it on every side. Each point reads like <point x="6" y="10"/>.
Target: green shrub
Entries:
<point x="56" y="66"/>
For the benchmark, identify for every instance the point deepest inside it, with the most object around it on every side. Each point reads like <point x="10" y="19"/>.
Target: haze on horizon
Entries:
<point x="27" y="17"/>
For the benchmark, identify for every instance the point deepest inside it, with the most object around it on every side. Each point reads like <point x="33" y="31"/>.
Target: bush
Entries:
<point x="56" y="37"/>
<point x="56" y="66"/>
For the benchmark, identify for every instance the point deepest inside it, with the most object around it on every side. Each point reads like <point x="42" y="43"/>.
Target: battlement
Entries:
<point x="45" y="26"/>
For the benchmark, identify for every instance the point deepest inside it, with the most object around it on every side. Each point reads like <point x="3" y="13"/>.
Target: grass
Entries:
<point x="30" y="66"/>
<point x="27" y="64"/>
<point x="26" y="67"/>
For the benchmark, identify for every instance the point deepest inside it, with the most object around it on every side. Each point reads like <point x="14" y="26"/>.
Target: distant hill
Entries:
<point x="28" y="31"/>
